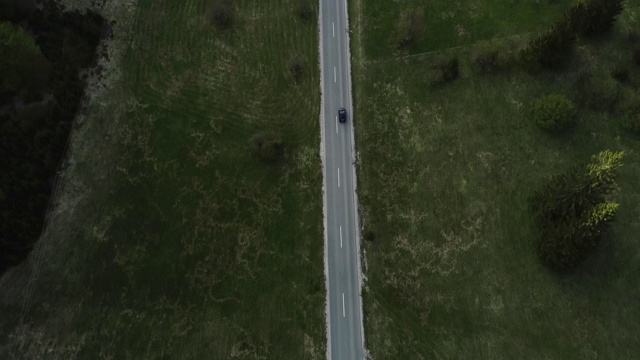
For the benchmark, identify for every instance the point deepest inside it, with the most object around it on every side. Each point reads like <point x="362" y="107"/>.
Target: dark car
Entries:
<point x="342" y="115"/>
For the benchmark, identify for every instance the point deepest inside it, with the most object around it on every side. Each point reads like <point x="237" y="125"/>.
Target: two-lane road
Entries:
<point x="342" y="247"/>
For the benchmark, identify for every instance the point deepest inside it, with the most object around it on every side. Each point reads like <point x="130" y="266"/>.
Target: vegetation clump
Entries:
<point x="40" y="93"/>
<point x="635" y="57"/>
<point x="25" y="67"/>
<point x="554" y="112"/>
<point x="268" y="146"/>
<point x="572" y="211"/>
<point x="551" y="50"/>
<point x="221" y="13"/>
<point x="620" y="73"/>
<point x="589" y="18"/>
<point x="411" y="26"/>
<point x="631" y="122"/>
<point x="305" y="10"/>
<point x="445" y="71"/>
<point x="296" y="67"/>
<point x="489" y="58"/>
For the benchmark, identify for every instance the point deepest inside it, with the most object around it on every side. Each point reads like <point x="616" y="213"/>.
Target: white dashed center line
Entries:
<point x="343" y="312"/>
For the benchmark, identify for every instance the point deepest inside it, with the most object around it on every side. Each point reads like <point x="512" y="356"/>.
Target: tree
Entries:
<point x="554" y="112"/>
<point x="446" y="70"/>
<point x="601" y="173"/>
<point x="572" y="211"/>
<point x="410" y="26"/>
<point x="25" y="67"/>
<point x="33" y="133"/>
<point x="16" y="9"/>
<point x="550" y="50"/>
<point x="592" y="17"/>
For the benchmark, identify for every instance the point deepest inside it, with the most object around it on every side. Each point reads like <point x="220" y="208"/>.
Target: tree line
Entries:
<point x="42" y="52"/>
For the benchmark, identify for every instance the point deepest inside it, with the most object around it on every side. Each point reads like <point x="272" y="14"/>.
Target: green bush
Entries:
<point x="488" y="58"/>
<point x="620" y="73"/>
<point x="221" y="13"/>
<point x="550" y="50"/>
<point x="369" y="235"/>
<point x="590" y="18"/>
<point x="554" y="112"/>
<point x="268" y="146"/>
<point x="630" y="121"/>
<point x="445" y="71"/>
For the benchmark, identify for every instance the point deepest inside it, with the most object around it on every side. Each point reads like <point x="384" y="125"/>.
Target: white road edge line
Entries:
<point x="335" y="79"/>
<point x="336" y="124"/>
<point x="343" y="312"/>
<point x="354" y="179"/>
<point x="333" y="27"/>
<point x="338" y="177"/>
<point x="340" y="236"/>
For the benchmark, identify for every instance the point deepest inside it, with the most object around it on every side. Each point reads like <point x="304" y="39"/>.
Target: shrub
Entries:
<point x="592" y="17"/>
<point x="488" y="58"/>
<point x="445" y="71"/>
<point x="635" y="57"/>
<point x="449" y="69"/>
<point x="221" y="13"/>
<point x="411" y="25"/>
<point x="369" y="235"/>
<point x="296" y="67"/>
<point x="630" y="121"/>
<point x="620" y="73"/>
<point x="305" y="10"/>
<point x="554" y="112"/>
<point x="268" y="146"/>
<point x="550" y="50"/>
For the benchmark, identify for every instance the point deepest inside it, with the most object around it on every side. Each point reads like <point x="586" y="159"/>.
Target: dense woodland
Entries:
<point x="42" y="50"/>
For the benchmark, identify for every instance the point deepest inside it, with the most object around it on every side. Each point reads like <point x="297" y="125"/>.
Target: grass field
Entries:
<point x="454" y="23"/>
<point x="180" y="242"/>
<point x="445" y="179"/>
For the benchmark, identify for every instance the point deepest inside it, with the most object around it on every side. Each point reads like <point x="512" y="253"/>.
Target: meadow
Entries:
<point x="446" y="174"/>
<point x="171" y="238"/>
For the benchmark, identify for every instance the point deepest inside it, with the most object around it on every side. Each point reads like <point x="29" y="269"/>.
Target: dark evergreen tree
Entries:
<point x="550" y="50"/>
<point x="572" y="211"/>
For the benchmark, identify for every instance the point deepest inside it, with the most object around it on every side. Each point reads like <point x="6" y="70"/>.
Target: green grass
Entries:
<point x="445" y="180"/>
<point x="186" y="245"/>
<point x="454" y="23"/>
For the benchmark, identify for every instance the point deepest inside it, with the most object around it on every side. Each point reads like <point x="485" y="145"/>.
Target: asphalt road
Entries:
<point x="342" y="237"/>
